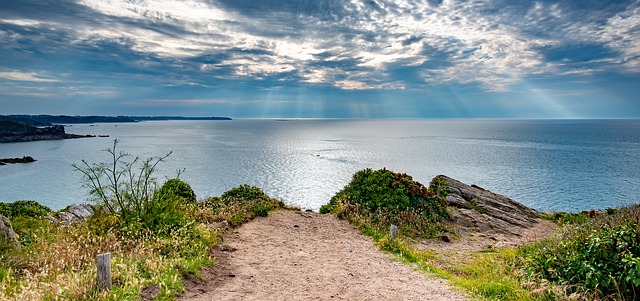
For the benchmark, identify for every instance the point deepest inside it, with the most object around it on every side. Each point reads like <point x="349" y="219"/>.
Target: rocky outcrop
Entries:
<point x="11" y="131"/>
<point x="25" y="159"/>
<point x="476" y="209"/>
<point x="8" y="238"/>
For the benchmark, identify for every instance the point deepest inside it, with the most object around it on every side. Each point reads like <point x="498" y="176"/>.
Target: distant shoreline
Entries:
<point x="49" y="120"/>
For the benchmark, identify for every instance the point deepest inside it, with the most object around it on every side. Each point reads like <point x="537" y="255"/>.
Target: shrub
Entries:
<point x="241" y="204"/>
<point x="601" y="254"/>
<point x="128" y="189"/>
<point x="377" y="199"/>
<point x="24" y="209"/>
<point x="176" y="188"/>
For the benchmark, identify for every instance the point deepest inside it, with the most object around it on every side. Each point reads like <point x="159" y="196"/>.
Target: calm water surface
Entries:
<point x="548" y="165"/>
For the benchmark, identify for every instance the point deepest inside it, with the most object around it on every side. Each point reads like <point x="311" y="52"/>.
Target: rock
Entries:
<point x="24" y="159"/>
<point x="66" y="217"/>
<point x="456" y="201"/>
<point x="80" y="211"/>
<point x="484" y="211"/>
<point x="8" y="238"/>
<point x="12" y="131"/>
<point x="223" y="226"/>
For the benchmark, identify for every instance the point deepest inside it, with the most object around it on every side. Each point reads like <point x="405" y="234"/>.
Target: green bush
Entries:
<point x="176" y="188"/>
<point x="128" y="190"/>
<point x="24" y="209"/>
<point x="377" y="199"/>
<point x="241" y="204"/>
<point x="599" y="255"/>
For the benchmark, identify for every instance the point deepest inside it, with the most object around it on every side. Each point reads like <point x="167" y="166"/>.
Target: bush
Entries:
<point x="377" y="199"/>
<point x="241" y="204"/>
<point x="176" y="188"/>
<point x="601" y="254"/>
<point x="128" y="189"/>
<point x="24" y="209"/>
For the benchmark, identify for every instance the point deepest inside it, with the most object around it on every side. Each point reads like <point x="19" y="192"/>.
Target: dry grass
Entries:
<point x="59" y="263"/>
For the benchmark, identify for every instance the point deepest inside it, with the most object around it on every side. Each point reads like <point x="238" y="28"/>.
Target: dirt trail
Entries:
<point x="294" y="255"/>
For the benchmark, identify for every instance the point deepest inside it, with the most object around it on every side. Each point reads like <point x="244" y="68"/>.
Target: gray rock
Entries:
<point x="80" y="211"/>
<point x="8" y="237"/>
<point x="456" y="201"/>
<point x="66" y="217"/>
<point x="481" y="210"/>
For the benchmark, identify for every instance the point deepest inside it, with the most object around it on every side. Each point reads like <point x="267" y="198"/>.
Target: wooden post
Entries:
<point x="104" y="271"/>
<point x="393" y="232"/>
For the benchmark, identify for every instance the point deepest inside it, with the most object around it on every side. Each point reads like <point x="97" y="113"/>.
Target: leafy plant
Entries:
<point x="377" y="199"/>
<point x="24" y="208"/>
<point x="600" y="254"/>
<point x="241" y="204"/>
<point x="176" y="188"/>
<point x="128" y="189"/>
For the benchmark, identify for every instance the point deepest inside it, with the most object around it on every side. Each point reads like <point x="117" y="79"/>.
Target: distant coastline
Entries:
<point x="49" y="120"/>
<point x="23" y="128"/>
<point x="12" y="131"/>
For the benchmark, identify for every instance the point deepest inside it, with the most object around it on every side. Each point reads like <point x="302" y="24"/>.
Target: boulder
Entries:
<point x="66" y="217"/>
<point x="478" y="209"/>
<point x="8" y="238"/>
<point x="80" y="211"/>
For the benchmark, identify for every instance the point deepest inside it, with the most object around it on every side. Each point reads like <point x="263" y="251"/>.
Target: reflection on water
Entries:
<point x="550" y="165"/>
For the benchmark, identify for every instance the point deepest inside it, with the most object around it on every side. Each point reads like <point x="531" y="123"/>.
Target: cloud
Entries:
<point x="492" y="43"/>
<point x="203" y="46"/>
<point x="27" y="77"/>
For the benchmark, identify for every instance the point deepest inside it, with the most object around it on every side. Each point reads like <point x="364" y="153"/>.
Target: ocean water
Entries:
<point x="550" y="165"/>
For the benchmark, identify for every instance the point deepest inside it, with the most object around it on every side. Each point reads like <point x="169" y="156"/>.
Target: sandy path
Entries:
<point x="293" y="255"/>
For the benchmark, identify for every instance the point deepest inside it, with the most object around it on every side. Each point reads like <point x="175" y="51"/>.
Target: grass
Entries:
<point x="596" y="255"/>
<point x="493" y="274"/>
<point x="58" y="262"/>
<point x="546" y="270"/>
<point x="241" y="204"/>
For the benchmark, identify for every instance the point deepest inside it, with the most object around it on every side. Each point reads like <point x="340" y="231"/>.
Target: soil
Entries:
<point x="463" y="248"/>
<point x="294" y="255"/>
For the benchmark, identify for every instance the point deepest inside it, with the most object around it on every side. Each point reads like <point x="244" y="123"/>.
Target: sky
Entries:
<point x="322" y="58"/>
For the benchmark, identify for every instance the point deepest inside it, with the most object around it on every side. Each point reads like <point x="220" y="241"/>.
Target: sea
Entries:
<point x="550" y="165"/>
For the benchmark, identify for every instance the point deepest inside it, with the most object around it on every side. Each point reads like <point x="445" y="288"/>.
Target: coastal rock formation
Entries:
<point x="475" y="209"/>
<point x="24" y="159"/>
<point x="8" y="237"/>
<point x="11" y="131"/>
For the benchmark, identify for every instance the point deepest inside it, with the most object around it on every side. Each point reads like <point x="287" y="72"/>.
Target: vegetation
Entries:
<point x="128" y="190"/>
<point x="374" y="200"/>
<point x="24" y="208"/>
<point x="597" y="254"/>
<point x="155" y="235"/>
<point x="593" y="257"/>
<point x="176" y="188"/>
<point x="241" y="204"/>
